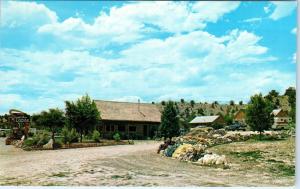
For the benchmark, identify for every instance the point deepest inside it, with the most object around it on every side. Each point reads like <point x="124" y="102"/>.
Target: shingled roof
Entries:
<point x="204" y="119"/>
<point x="127" y="111"/>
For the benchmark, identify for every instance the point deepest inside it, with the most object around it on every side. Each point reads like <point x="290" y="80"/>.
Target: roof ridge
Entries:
<point x="125" y="102"/>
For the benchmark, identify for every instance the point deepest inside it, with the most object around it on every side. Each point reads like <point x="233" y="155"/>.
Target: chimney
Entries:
<point x="139" y="105"/>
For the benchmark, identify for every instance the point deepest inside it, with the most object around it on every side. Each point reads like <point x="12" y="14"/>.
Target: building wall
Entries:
<point x="240" y="117"/>
<point x="127" y="129"/>
<point x="281" y="122"/>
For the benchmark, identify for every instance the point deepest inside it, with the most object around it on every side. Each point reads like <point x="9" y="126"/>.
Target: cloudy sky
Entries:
<point x="205" y="51"/>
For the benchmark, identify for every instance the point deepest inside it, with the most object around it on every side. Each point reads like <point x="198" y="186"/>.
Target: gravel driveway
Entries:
<point x="124" y="165"/>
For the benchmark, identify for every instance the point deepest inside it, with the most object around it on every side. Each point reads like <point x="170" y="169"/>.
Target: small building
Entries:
<point x="240" y="116"/>
<point x="281" y="119"/>
<point x="131" y="120"/>
<point x="207" y="120"/>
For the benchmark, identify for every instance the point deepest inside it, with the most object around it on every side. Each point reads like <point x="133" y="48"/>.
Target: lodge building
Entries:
<point x="131" y="120"/>
<point x="281" y="119"/>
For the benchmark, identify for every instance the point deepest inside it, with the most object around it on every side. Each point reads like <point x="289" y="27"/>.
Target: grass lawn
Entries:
<point x="268" y="157"/>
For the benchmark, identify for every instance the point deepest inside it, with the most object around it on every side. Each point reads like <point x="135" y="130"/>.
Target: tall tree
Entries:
<point x="169" y="126"/>
<point x="82" y="115"/>
<point x="258" y="114"/>
<point x="192" y="103"/>
<point x="52" y="119"/>
<point x="291" y="93"/>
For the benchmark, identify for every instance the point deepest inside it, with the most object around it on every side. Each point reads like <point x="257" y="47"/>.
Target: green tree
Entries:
<point x="192" y="103"/>
<point x="241" y="102"/>
<point x="169" y="126"/>
<point x="231" y="103"/>
<point x="228" y="119"/>
<point x="82" y="115"/>
<point x="216" y="102"/>
<point x="200" y="111"/>
<point x="163" y="103"/>
<point x="258" y="114"/>
<point x="291" y="93"/>
<point x="182" y="101"/>
<point x="53" y="119"/>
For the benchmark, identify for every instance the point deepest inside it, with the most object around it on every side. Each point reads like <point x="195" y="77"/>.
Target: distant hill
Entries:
<point x="213" y="108"/>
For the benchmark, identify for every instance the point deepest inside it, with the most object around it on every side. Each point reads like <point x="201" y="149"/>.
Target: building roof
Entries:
<point x="204" y="119"/>
<point x="127" y="111"/>
<point x="276" y="112"/>
<point x="279" y="112"/>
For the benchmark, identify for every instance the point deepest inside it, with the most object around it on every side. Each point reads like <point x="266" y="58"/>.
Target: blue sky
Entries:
<point x="53" y="51"/>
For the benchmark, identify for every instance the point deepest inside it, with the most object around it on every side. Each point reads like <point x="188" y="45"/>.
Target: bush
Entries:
<point x="65" y="135"/>
<point x="41" y="139"/>
<point x="69" y="136"/>
<point x="217" y="126"/>
<point x="96" y="136"/>
<point x="117" y="137"/>
<point x="37" y="140"/>
<point x="57" y="144"/>
<point x="28" y="142"/>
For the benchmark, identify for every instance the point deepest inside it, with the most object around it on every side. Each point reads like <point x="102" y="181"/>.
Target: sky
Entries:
<point x="53" y="51"/>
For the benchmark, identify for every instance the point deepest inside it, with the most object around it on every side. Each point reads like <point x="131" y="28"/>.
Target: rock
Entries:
<point x="182" y="149"/>
<point x="216" y="135"/>
<point x="49" y="145"/>
<point x="213" y="159"/>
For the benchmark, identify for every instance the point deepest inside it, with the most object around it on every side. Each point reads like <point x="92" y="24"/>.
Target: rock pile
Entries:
<point x="192" y="146"/>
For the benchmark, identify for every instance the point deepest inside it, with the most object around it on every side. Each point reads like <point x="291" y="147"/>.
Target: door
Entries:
<point x="145" y="131"/>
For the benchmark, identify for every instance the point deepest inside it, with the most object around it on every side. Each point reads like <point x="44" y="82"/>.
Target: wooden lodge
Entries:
<point x="281" y="119"/>
<point x="131" y="120"/>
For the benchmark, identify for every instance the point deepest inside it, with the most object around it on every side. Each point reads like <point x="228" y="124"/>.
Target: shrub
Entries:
<point x="37" y="140"/>
<point x="96" y="136"/>
<point x="73" y="136"/>
<point x="28" y="142"/>
<point x="69" y="136"/>
<point x="65" y="135"/>
<point x="217" y="126"/>
<point x="57" y="144"/>
<point x="41" y="139"/>
<point x="117" y="137"/>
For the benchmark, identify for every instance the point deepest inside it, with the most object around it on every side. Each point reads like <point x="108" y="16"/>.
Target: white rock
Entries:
<point x="49" y="145"/>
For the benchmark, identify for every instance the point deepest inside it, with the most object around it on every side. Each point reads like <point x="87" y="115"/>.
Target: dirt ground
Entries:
<point x="139" y="165"/>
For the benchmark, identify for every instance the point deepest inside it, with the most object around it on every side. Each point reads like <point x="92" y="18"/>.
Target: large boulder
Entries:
<point x="49" y="145"/>
<point x="213" y="159"/>
<point x="181" y="150"/>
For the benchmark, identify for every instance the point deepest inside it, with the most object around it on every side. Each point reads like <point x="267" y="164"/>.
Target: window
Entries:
<point x="132" y="128"/>
<point x="109" y="128"/>
<point x="121" y="128"/>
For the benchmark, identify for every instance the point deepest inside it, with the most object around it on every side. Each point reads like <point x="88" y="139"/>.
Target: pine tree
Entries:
<point x="169" y="121"/>
<point x="258" y="114"/>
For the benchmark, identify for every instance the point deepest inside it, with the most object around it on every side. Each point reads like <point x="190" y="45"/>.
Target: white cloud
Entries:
<point x="152" y="69"/>
<point x="251" y="20"/>
<point x="134" y="21"/>
<point x="294" y="59"/>
<point x="16" y="14"/>
<point x="294" y="31"/>
<point x="282" y="9"/>
<point x="267" y="9"/>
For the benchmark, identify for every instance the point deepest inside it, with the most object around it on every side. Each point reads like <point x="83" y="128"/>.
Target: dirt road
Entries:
<point x="124" y="165"/>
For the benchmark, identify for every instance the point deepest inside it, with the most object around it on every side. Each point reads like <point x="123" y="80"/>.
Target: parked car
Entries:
<point x="236" y="126"/>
